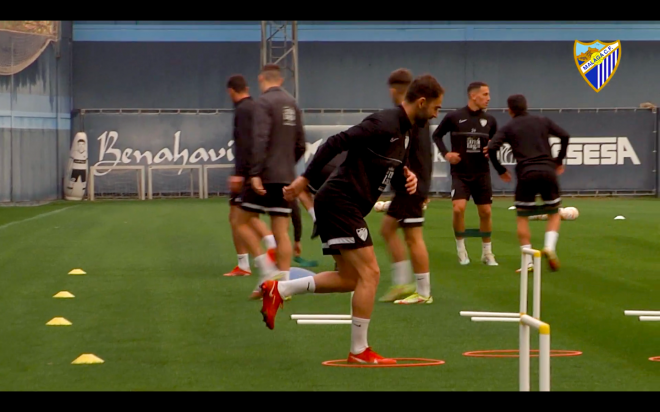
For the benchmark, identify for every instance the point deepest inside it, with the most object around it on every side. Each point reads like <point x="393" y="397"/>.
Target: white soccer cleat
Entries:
<point x="463" y="257"/>
<point x="489" y="259"/>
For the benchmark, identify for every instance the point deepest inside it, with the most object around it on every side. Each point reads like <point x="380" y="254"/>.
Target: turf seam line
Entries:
<point x="52" y="212"/>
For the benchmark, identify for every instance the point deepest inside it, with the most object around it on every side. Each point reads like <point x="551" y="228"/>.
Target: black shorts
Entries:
<point x="537" y="182"/>
<point x="235" y="199"/>
<point x="477" y="186"/>
<point x="408" y="210"/>
<point x="340" y="224"/>
<point x="272" y="203"/>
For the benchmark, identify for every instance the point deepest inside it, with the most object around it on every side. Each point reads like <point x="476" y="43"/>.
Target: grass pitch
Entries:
<point x="155" y="306"/>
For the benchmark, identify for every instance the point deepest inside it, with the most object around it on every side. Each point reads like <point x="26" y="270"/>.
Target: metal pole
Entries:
<point x="296" y="92"/>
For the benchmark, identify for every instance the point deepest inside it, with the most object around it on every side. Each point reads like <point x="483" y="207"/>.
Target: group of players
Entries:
<point x="349" y="172"/>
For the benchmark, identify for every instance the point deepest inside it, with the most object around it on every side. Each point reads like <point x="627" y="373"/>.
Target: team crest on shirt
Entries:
<point x="597" y="61"/>
<point x="362" y="233"/>
<point x="483" y="122"/>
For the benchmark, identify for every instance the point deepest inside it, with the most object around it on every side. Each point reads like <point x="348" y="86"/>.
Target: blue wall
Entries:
<point x="360" y="31"/>
<point x="35" y="123"/>
<point x="353" y="75"/>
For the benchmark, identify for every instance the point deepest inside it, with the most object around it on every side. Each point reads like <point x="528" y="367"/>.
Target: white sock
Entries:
<point x="487" y="248"/>
<point x="297" y="286"/>
<point x="270" y="241"/>
<point x="423" y="284"/>
<point x="266" y="267"/>
<point x="312" y="214"/>
<point x="244" y="262"/>
<point x="401" y="273"/>
<point x="551" y="239"/>
<point x="286" y="274"/>
<point x="460" y="244"/>
<point x="359" y="335"/>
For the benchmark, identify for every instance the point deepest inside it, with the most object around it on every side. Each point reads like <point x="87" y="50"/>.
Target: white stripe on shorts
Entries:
<point x="341" y="240"/>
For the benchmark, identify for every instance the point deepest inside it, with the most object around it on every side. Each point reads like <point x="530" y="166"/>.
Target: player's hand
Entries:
<point x="235" y="183"/>
<point x="506" y="176"/>
<point x="560" y="169"/>
<point x="295" y="188"/>
<point x="485" y="150"/>
<point x="257" y="186"/>
<point x="297" y="249"/>
<point x="453" y="157"/>
<point x="411" y="180"/>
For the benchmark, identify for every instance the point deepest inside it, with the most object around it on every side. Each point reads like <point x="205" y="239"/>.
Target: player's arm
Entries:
<point x="439" y="133"/>
<point x="300" y="136"/>
<point x="493" y="146"/>
<point x="356" y="136"/>
<point x="261" y="127"/>
<point x="296" y="220"/>
<point x="555" y="130"/>
<point x="244" y="131"/>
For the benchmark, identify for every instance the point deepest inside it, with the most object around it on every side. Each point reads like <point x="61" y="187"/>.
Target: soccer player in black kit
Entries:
<point x="536" y="170"/>
<point x="471" y="128"/>
<point x="407" y="212"/>
<point x="377" y="151"/>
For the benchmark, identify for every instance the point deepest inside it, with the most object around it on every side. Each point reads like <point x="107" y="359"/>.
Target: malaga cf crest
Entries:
<point x="597" y="61"/>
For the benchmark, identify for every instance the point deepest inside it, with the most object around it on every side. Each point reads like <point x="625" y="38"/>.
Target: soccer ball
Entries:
<point x="386" y="205"/>
<point x="569" y="213"/>
<point x="378" y="207"/>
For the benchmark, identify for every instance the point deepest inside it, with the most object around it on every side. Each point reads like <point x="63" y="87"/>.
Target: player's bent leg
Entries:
<point x="243" y="267"/>
<point x="459" y="206"/>
<point x="275" y="292"/>
<point x="266" y="235"/>
<point x="486" y="226"/>
<point x="401" y="275"/>
<point x="280" y="225"/>
<point x="420" y="263"/>
<point x="363" y="260"/>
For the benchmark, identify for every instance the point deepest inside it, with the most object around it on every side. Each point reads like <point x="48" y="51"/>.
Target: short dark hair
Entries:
<point x="517" y="104"/>
<point x="237" y="83"/>
<point x="475" y="86"/>
<point x="271" y="72"/>
<point x="424" y="86"/>
<point x="401" y="77"/>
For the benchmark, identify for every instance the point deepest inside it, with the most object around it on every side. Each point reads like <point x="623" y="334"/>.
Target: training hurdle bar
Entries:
<point x="644" y="315"/>
<point x="526" y="322"/>
<point x="321" y="319"/>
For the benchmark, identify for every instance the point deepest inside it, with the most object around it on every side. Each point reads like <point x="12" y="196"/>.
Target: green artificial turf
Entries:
<point x="155" y="306"/>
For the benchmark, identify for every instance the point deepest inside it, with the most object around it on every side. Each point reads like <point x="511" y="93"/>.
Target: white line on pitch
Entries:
<point x="6" y="225"/>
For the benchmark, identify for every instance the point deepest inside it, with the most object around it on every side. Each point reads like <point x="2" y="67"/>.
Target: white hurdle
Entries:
<point x="321" y="319"/>
<point x="644" y="315"/>
<point x="526" y="322"/>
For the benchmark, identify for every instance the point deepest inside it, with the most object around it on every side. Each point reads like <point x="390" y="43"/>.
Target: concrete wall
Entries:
<point x="35" y="107"/>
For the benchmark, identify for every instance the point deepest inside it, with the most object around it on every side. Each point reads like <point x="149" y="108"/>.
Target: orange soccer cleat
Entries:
<point x="238" y="272"/>
<point x="272" y="301"/>
<point x="272" y="254"/>
<point x="369" y="356"/>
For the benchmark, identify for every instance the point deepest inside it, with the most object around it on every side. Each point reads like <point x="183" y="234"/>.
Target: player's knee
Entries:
<point x="484" y="213"/>
<point x="459" y="209"/>
<point x="413" y="238"/>
<point x="370" y="273"/>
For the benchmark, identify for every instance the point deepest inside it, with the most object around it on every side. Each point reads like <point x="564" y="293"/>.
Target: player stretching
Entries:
<point x="377" y="151"/>
<point x="406" y="211"/>
<point x="238" y="91"/>
<point x="278" y="144"/>
<point x="536" y="170"/>
<point x="471" y="128"/>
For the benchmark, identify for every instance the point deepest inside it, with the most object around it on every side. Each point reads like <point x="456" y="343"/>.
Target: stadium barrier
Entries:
<point x="611" y="152"/>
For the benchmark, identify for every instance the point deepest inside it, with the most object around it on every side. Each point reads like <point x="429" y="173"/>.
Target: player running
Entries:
<point x="407" y="212"/>
<point x="377" y="151"/>
<point x="536" y="170"/>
